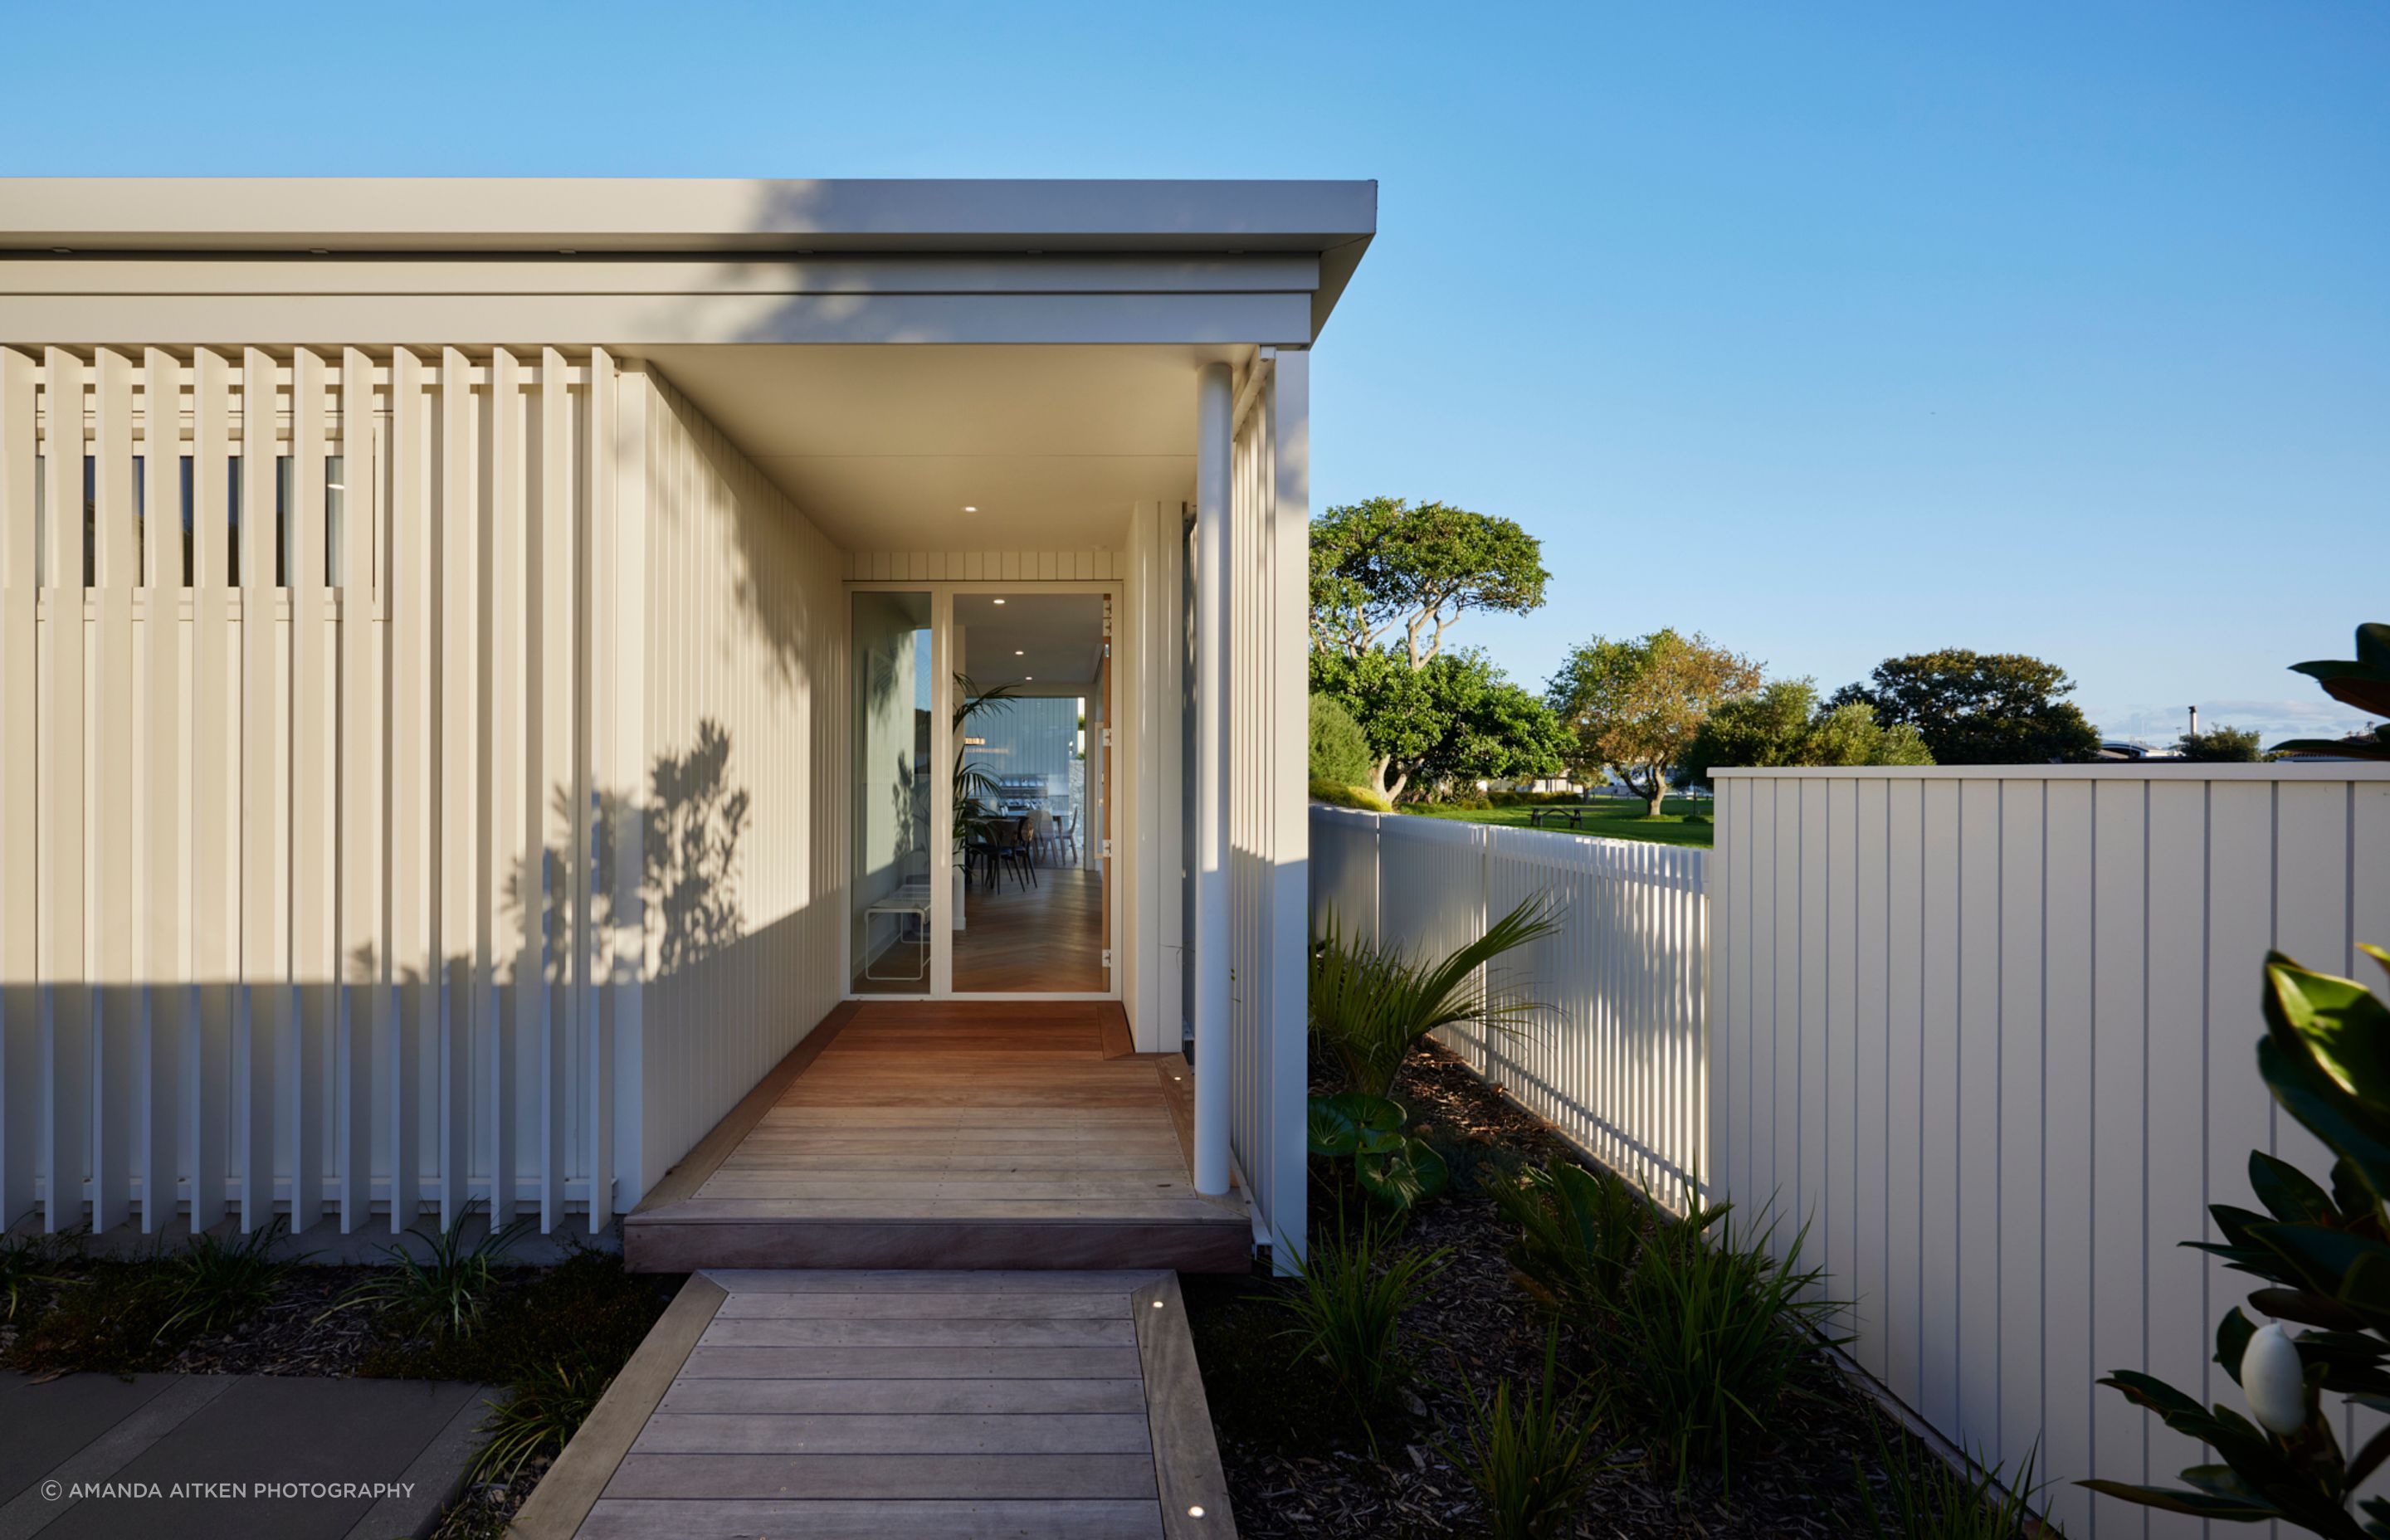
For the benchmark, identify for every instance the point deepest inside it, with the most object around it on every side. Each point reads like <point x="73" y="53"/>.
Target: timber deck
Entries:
<point x="950" y="1135"/>
<point x="925" y="1405"/>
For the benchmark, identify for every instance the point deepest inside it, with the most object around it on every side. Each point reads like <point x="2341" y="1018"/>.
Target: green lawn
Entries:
<point x="1611" y="817"/>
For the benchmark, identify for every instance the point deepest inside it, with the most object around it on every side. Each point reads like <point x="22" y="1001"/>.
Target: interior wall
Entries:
<point x="745" y="789"/>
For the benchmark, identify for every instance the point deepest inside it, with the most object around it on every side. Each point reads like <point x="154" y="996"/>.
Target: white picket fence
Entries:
<point x="1988" y="1032"/>
<point x="1617" y="1062"/>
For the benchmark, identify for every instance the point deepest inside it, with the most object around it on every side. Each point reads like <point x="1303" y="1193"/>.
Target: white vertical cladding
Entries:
<point x="2048" y="980"/>
<point x="745" y="715"/>
<point x="291" y="851"/>
<point x="1268" y="834"/>
<point x="1215" y="952"/>
<point x="1151" y="669"/>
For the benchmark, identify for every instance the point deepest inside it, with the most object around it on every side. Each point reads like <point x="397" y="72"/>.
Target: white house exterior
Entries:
<point x="348" y="885"/>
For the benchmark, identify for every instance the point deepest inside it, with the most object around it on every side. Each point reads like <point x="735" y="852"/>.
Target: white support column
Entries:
<point x="1214" y="424"/>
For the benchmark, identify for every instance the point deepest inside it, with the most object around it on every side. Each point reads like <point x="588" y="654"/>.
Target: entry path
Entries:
<point x="849" y="1404"/>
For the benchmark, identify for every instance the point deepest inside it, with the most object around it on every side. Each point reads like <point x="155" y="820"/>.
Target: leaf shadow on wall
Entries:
<point x="691" y="818"/>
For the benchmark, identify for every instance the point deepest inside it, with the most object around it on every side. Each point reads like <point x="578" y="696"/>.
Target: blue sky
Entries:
<point x="1834" y="332"/>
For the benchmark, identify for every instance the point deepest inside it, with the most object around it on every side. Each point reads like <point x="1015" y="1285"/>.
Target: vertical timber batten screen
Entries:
<point x="305" y="780"/>
<point x="1268" y="836"/>
<point x="1617" y="1064"/>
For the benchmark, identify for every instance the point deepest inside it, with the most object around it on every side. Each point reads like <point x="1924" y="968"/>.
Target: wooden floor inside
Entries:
<point x="914" y="1405"/>
<point x="951" y="1134"/>
<point x="1019" y="936"/>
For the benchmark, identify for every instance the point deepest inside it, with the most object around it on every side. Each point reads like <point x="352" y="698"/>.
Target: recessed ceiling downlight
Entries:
<point x="970" y="507"/>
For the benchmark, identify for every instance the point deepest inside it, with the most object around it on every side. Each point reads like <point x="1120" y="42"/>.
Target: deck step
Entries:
<point x="950" y="1135"/>
<point x="928" y="1405"/>
<point x="664" y="1241"/>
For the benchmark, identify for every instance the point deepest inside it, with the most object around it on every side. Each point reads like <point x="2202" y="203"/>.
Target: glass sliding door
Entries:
<point x="891" y="928"/>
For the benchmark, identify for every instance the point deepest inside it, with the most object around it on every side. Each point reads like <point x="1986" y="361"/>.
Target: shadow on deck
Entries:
<point x="950" y="1135"/>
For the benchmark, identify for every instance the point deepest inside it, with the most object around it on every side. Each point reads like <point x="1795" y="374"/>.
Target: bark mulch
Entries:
<point x="1296" y="1466"/>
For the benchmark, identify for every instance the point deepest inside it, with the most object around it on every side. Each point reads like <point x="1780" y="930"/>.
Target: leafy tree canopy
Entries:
<point x="1634" y="705"/>
<point x="1383" y="563"/>
<point x="2221" y="746"/>
<point x="1784" y="723"/>
<point x="1980" y="708"/>
<point x="1457" y="718"/>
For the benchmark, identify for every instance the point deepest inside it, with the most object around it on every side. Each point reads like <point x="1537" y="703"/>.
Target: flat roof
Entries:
<point x="549" y="215"/>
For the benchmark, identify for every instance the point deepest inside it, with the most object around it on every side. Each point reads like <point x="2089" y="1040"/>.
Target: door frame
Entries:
<point x="1115" y="765"/>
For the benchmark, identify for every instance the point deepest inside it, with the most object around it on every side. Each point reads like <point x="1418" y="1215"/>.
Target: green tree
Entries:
<point x="1455" y="718"/>
<point x="1340" y="750"/>
<point x="2221" y="746"/>
<point x="1383" y="563"/>
<point x="1980" y="708"/>
<point x="1784" y="723"/>
<point x="1634" y="705"/>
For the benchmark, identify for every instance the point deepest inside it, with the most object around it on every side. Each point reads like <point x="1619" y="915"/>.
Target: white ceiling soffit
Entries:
<point x="884" y="448"/>
<point x="1059" y="638"/>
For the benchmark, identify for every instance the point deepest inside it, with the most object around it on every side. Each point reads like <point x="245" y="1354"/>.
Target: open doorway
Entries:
<point x="1032" y="793"/>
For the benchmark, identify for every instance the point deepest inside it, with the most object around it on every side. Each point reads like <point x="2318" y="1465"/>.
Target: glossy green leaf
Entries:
<point x="2198" y="1504"/>
<point x="1409" y="1172"/>
<point x="2288" y="1192"/>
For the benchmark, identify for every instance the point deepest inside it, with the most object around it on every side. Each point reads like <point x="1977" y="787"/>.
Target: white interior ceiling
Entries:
<point x="884" y="446"/>
<point x="1040" y="644"/>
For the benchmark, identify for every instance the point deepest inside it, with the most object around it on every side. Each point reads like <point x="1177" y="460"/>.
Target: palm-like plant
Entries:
<point x="1371" y="1002"/>
<point x="975" y="790"/>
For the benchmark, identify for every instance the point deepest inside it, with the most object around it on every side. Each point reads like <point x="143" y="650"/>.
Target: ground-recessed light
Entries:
<point x="1018" y="653"/>
<point x="1026" y="677"/>
<point x="999" y="601"/>
<point x="970" y="507"/>
<point x="1195" y="1513"/>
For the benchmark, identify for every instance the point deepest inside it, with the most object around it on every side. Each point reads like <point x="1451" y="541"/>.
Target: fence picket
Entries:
<point x="19" y="805"/>
<point x="162" y="763"/>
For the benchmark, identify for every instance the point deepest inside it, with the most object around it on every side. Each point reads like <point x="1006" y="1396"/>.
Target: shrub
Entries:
<point x="1371" y="1003"/>
<point x="216" y="1284"/>
<point x="1580" y="1233"/>
<point x="1351" y="1291"/>
<point x="117" y="1318"/>
<point x="1391" y="1166"/>
<point x="28" y="1271"/>
<point x="1530" y="1461"/>
<point x="1340" y="750"/>
<point x="443" y="1293"/>
<point x="1945" y="1504"/>
<point x="539" y="1417"/>
<point x="1713" y="1337"/>
<point x="1361" y="799"/>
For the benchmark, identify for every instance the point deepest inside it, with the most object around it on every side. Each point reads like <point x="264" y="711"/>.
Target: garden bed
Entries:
<point x="554" y="1334"/>
<point x="1299" y="1464"/>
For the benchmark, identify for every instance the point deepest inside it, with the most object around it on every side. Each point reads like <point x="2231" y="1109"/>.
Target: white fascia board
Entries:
<point x="640" y="215"/>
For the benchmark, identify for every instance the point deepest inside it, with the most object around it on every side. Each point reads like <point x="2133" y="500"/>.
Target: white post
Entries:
<point x="1213" y="430"/>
